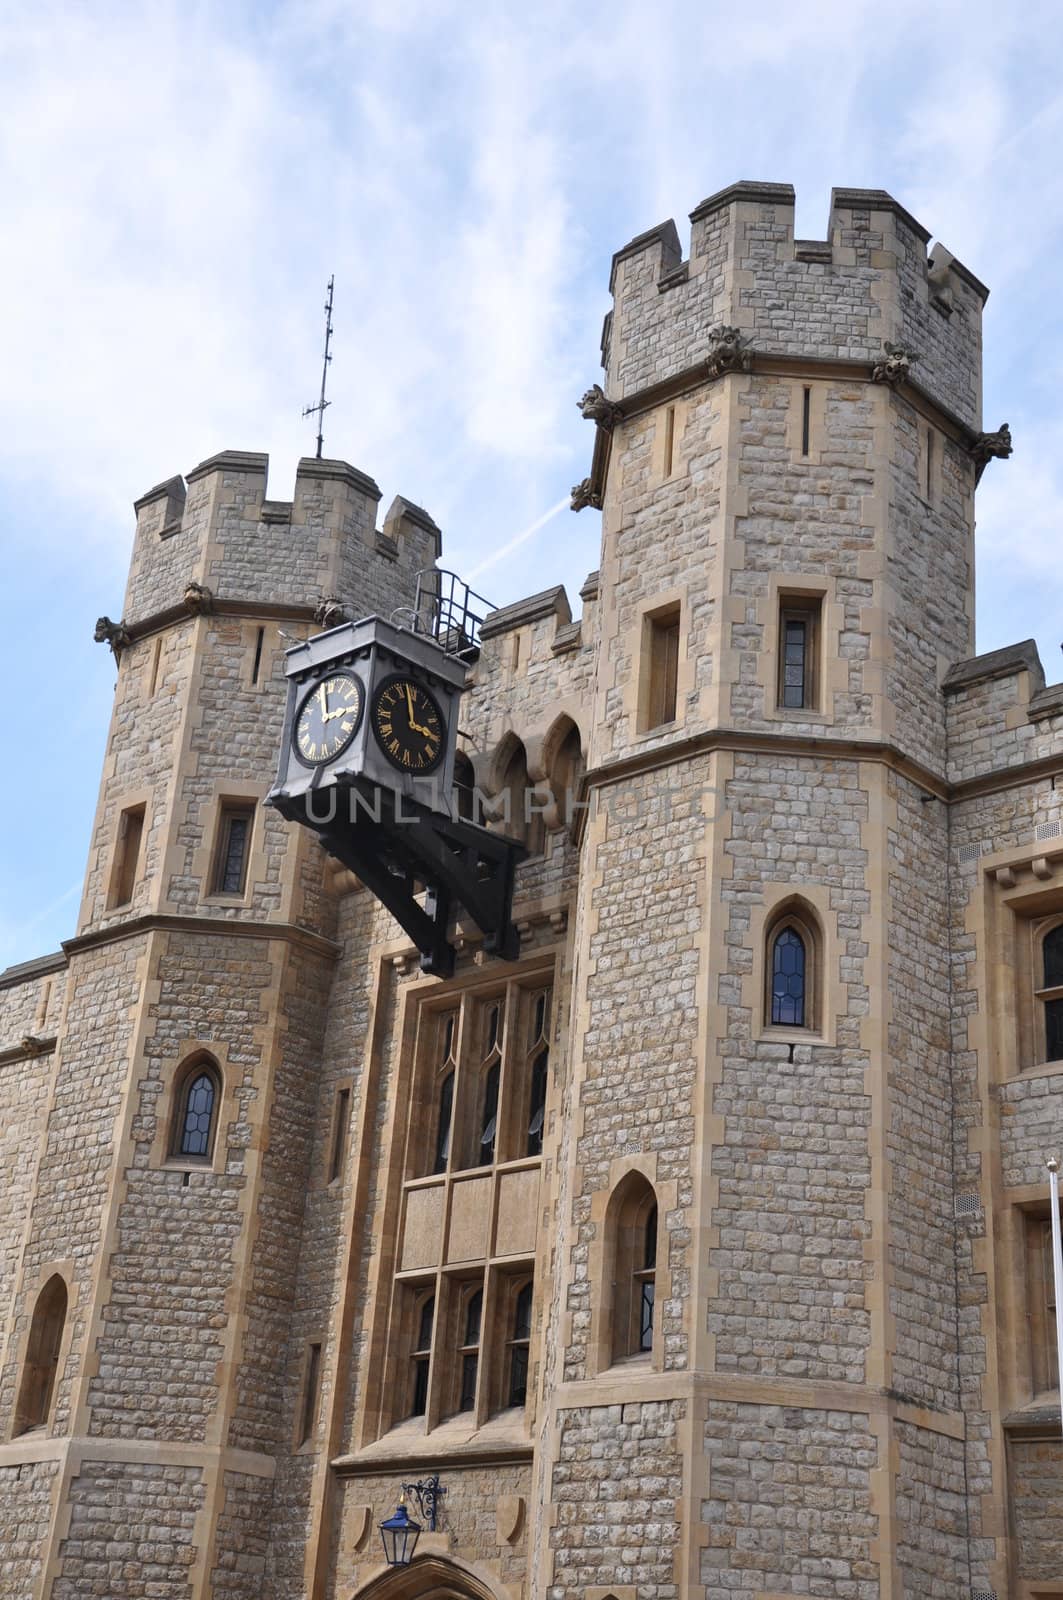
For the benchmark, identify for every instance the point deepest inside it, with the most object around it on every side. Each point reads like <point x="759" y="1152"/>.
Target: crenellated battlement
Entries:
<point x="870" y="282"/>
<point x="216" y="529"/>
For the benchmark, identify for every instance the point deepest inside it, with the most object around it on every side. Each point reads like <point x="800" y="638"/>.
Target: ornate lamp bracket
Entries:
<point x="428" y="1492"/>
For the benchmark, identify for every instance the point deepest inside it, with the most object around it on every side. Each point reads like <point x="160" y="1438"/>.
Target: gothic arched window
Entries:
<point x="792" y="960"/>
<point x="195" y="1114"/>
<point x="631" y="1265"/>
<point x="41" y="1364"/>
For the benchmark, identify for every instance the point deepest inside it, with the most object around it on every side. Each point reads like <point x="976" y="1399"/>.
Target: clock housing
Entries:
<point x="406" y="682"/>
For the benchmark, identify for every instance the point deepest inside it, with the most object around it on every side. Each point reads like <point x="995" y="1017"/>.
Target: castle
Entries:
<point x="700" y="1250"/>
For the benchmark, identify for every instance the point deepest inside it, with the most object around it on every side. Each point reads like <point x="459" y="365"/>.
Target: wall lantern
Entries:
<point x="399" y="1532"/>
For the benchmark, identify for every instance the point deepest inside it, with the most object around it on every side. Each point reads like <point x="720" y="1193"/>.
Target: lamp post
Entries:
<point x="400" y="1533"/>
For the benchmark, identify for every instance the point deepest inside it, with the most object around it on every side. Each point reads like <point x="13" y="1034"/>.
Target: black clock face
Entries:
<point x="409" y="725"/>
<point x="328" y="718"/>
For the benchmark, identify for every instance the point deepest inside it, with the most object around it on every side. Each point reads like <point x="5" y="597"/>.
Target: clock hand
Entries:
<point x="343" y="711"/>
<point x="409" y="706"/>
<point x="323" y="697"/>
<point x="429" y="733"/>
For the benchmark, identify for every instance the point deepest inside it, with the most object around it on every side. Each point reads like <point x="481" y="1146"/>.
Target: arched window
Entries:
<point x="631" y="1263"/>
<point x="195" y="1115"/>
<point x="1052" y="992"/>
<point x="791" y="961"/>
<point x="470" y="1350"/>
<point x="39" y="1370"/>
<point x="519" y="1346"/>
<point x="522" y="816"/>
<point x="421" y="1356"/>
<point x="565" y="765"/>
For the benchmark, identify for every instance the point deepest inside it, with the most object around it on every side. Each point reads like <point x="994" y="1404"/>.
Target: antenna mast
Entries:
<point x="319" y="409"/>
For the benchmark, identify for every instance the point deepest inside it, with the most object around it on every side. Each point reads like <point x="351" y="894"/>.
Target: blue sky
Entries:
<point x="180" y="180"/>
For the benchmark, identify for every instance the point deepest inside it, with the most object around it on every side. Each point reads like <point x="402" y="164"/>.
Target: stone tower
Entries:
<point x="699" y="1250"/>
<point x="792" y="441"/>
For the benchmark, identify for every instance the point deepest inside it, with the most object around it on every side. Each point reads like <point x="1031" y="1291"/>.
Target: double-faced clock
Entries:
<point x="367" y="763"/>
<point x="328" y="717"/>
<point x="409" y="724"/>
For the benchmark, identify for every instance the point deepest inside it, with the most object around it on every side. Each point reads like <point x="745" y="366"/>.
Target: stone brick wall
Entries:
<point x="1035" y="1474"/>
<point x="74" y="1175"/>
<point x="789" y="1506"/>
<point x="26" y="1495"/>
<point x="639" y="1034"/>
<point x="918" y="1138"/>
<point x="131" y="1532"/>
<point x="617" y="1479"/>
<point x="794" y="1161"/>
<point x="931" y="1513"/>
<point x="242" y="1539"/>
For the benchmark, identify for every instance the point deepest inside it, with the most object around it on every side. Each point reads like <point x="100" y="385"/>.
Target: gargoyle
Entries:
<point x="583" y="495"/>
<point x="895" y="366"/>
<point x="728" y="351"/>
<point x="594" y="407"/>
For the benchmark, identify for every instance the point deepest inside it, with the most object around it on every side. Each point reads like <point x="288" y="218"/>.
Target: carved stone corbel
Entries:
<point x="197" y="599"/>
<point x="331" y="612"/>
<point x="594" y="407"/>
<point x="728" y="351"/>
<point x="31" y="1045"/>
<point x="584" y="495"/>
<point x="116" y="634"/>
<point x="895" y="366"/>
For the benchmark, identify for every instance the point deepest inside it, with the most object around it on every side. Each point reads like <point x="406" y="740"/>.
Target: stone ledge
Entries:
<point x="1048" y="702"/>
<point x="26" y="971"/>
<point x="172" y="488"/>
<point x="230" y="461"/>
<point x="1005" y="663"/>
<point x="533" y="608"/>
<point x="876" y="200"/>
<point x="337" y="472"/>
<point x="772" y="194"/>
<point x="665" y="234"/>
<point x="232" y="927"/>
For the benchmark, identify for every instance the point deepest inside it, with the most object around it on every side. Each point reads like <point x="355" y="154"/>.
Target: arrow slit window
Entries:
<point x="460" y="1338"/>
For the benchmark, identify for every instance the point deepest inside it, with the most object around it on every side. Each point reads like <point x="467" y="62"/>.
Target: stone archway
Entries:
<point x="430" y="1577"/>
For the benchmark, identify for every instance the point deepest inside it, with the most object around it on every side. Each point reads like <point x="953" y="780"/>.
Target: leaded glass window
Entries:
<point x="195" y="1123"/>
<point x="788" y="975"/>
